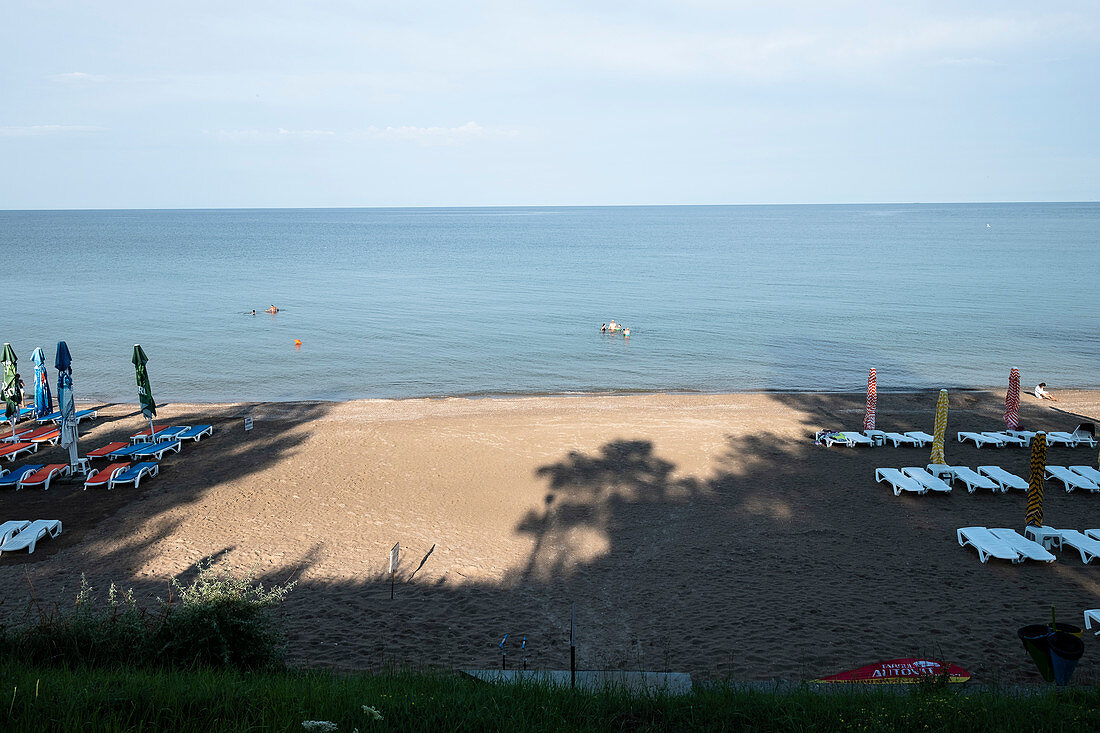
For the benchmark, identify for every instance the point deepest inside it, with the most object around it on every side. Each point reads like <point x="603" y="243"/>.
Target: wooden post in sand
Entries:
<point x="572" y="647"/>
<point x="395" y="553"/>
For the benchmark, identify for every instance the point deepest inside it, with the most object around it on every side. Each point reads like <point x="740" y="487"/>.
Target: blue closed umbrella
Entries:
<point x="66" y="403"/>
<point x="43" y="398"/>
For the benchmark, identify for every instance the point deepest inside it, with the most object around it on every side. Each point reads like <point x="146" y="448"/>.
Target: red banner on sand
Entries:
<point x="900" y="671"/>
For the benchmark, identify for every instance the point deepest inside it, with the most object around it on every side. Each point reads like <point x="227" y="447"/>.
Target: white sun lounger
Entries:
<point x="1084" y="436"/>
<point x="1026" y="435"/>
<point x="1030" y="549"/>
<point x="925" y="479"/>
<point x="987" y="544"/>
<point x="921" y="437"/>
<point x="1007" y="439"/>
<point x="1087" y="546"/>
<point x="1087" y="472"/>
<point x="971" y="479"/>
<point x="1061" y="438"/>
<point x="849" y="438"/>
<point x="1093" y="533"/>
<point x="29" y="536"/>
<point x="980" y="440"/>
<point x="898" y="481"/>
<point x="12" y="528"/>
<point x="1003" y="478"/>
<point x="901" y="439"/>
<point x="1090" y="616"/>
<point x="1070" y="479"/>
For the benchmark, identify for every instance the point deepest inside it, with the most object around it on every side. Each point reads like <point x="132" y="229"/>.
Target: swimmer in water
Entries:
<point x="603" y="328"/>
<point x="272" y="309"/>
<point x="253" y="311"/>
<point x="626" y="332"/>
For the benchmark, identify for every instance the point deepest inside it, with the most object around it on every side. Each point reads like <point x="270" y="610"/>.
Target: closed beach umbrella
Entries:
<point x="872" y="401"/>
<point x="1034" y="516"/>
<point x="66" y="402"/>
<point x="10" y="389"/>
<point x="43" y="399"/>
<point x="1012" y="400"/>
<point x="145" y="393"/>
<point x="940" y="429"/>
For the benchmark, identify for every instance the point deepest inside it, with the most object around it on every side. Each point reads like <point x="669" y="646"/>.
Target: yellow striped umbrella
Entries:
<point x="940" y="430"/>
<point x="1034" y="514"/>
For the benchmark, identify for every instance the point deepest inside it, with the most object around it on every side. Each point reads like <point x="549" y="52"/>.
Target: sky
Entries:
<point x="315" y="104"/>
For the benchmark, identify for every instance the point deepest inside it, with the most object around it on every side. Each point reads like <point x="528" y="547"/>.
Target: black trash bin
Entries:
<point x="1034" y="638"/>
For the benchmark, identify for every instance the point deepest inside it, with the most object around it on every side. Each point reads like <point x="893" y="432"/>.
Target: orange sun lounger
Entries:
<point x="103" y="476"/>
<point x="13" y="451"/>
<point x="43" y="476"/>
<point x="105" y="450"/>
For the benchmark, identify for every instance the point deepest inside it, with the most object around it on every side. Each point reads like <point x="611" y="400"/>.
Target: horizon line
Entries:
<point x="540" y="206"/>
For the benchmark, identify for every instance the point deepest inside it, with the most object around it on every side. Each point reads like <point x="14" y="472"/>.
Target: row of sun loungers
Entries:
<point x="117" y="474"/>
<point x="993" y="478"/>
<point x="1007" y="544"/>
<point x="918" y="439"/>
<point x="24" y="535"/>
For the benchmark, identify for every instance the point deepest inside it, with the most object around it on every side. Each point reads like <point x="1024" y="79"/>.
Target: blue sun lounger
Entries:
<point x="125" y="452"/>
<point x="80" y="415"/>
<point x="159" y="436"/>
<point x="13" y="478"/>
<point x="155" y="450"/>
<point x="134" y="474"/>
<point x="196" y="433"/>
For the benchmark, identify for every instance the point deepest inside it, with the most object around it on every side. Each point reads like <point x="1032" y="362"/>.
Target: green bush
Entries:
<point x="215" y="621"/>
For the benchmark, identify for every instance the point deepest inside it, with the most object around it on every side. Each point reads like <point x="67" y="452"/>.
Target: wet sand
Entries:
<point x="696" y="533"/>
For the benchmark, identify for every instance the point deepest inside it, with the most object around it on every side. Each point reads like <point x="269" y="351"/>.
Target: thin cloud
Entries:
<point x="425" y="136"/>
<point x="77" y="77"/>
<point x="36" y="130"/>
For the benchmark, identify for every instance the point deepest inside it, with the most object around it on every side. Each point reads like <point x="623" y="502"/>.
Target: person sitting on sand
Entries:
<point x="1041" y="392"/>
<point x="272" y="309"/>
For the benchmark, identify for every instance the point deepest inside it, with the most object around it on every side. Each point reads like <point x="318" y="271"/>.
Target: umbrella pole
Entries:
<point x="151" y="430"/>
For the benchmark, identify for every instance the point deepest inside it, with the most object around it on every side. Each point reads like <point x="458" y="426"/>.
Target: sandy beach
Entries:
<point x="696" y="533"/>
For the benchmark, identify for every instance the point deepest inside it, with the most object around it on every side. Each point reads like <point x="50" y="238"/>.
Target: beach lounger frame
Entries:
<point x="898" y="481"/>
<point x="196" y="433"/>
<point x="1027" y="548"/>
<point x="850" y="438"/>
<point x="1003" y="478"/>
<point x="43" y="476"/>
<point x="979" y="439"/>
<point x="134" y="474"/>
<point x="1091" y="615"/>
<point x="1025" y="435"/>
<point x="1070" y="479"/>
<point x="1007" y="439"/>
<point x="1088" y="547"/>
<point x="103" y="476"/>
<point x="971" y="479"/>
<point x="14" y="450"/>
<point x="156" y="450"/>
<point x="11" y="528"/>
<point x="987" y="544"/>
<point x="28" y="538"/>
<point x="159" y="436"/>
<point x="105" y="450"/>
<point x="12" y="478"/>
<point x="926" y="479"/>
<point x="920" y="436"/>
<point x="1087" y="472"/>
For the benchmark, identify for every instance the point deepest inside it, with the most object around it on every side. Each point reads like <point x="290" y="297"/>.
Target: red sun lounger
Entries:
<point x="50" y="436"/>
<point x="103" y="476"/>
<point x="105" y="450"/>
<point x="13" y="451"/>
<point x="141" y="435"/>
<point x="43" y="476"/>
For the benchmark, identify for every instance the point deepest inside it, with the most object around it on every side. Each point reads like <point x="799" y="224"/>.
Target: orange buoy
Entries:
<point x="297" y="344"/>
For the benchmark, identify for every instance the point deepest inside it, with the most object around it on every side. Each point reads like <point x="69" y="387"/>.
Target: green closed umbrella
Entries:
<point x="145" y="393"/>
<point x="10" y="390"/>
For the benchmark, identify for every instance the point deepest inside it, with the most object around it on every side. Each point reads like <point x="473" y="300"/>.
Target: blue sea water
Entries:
<point x="495" y="301"/>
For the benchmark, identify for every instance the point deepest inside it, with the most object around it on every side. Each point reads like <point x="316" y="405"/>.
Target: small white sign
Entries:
<point x="247" y="424"/>
<point x="395" y="553"/>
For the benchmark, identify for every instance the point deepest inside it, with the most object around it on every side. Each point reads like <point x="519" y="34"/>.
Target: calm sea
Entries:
<point x="415" y="302"/>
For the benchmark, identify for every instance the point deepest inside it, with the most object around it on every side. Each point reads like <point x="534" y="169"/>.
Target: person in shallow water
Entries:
<point x="272" y="309"/>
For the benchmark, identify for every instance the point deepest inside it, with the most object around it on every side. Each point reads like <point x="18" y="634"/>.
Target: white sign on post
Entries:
<point x="395" y="553"/>
<point x="247" y="424"/>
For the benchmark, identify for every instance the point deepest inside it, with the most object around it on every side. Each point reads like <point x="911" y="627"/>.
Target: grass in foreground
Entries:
<point x="225" y="700"/>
